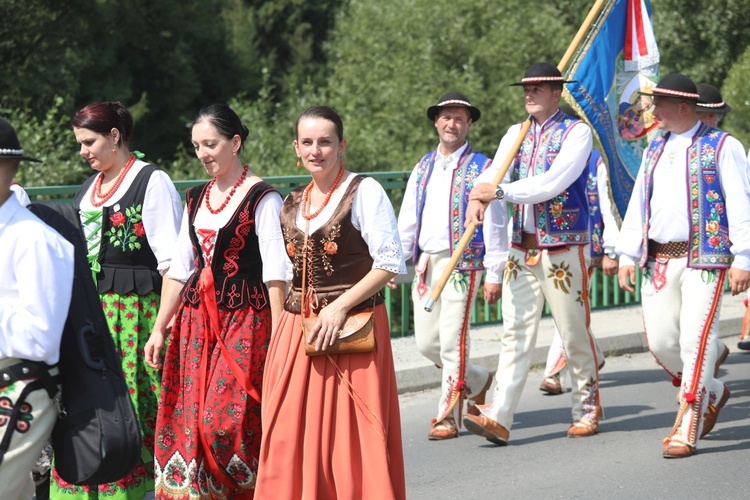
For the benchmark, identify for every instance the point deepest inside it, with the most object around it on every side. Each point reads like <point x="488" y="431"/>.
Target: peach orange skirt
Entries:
<point x="331" y="425"/>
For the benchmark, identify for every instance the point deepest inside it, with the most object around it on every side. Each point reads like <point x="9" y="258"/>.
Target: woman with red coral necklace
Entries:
<point x="331" y="425"/>
<point x="130" y="213"/>
<point x="226" y="284"/>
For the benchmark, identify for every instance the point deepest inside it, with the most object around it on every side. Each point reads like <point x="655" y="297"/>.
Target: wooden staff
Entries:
<point x="469" y="233"/>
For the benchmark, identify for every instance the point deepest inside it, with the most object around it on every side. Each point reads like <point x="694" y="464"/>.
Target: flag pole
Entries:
<point x="472" y="227"/>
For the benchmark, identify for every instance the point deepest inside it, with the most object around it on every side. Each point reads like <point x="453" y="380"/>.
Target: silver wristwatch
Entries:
<point x="612" y="255"/>
<point x="499" y="193"/>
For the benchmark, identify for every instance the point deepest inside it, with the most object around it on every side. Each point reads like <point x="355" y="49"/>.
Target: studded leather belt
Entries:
<point x="669" y="250"/>
<point x="528" y="242"/>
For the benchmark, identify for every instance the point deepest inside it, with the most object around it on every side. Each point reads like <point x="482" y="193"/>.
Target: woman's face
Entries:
<point x="214" y="151"/>
<point x="318" y="146"/>
<point x="97" y="148"/>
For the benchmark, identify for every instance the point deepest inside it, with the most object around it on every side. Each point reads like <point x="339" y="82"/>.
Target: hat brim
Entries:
<point x="474" y="113"/>
<point x="720" y="110"/>
<point x="534" y="81"/>
<point x="15" y="157"/>
<point x="671" y="96"/>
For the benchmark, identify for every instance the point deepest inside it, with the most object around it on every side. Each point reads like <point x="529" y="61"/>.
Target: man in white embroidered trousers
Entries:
<point x="431" y="223"/>
<point x="687" y="227"/>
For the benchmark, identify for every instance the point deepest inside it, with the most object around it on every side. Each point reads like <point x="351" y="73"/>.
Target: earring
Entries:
<point x="299" y="164"/>
<point x="341" y="162"/>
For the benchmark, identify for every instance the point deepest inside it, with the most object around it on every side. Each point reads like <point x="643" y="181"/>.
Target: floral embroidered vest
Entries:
<point x="564" y="219"/>
<point x="127" y="262"/>
<point x="337" y="256"/>
<point x="596" y="223"/>
<point x="470" y="165"/>
<point x="236" y="264"/>
<point x="708" y="240"/>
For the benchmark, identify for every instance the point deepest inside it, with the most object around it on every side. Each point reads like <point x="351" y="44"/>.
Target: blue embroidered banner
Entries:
<point x="617" y="59"/>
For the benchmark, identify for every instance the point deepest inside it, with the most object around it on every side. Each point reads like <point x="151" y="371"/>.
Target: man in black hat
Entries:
<point x="430" y="225"/>
<point x="549" y="255"/>
<point x="36" y="280"/>
<point x="687" y="227"/>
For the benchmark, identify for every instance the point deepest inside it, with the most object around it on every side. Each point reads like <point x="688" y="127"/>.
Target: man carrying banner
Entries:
<point x="430" y="225"/>
<point x="549" y="255"/>
<point x="686" y="224"/>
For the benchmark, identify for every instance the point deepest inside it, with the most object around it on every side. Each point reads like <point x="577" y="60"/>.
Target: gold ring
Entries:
<point x="338" y="334"/>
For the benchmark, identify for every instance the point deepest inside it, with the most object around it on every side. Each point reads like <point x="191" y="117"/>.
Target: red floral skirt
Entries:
<point x="208" y="447"/>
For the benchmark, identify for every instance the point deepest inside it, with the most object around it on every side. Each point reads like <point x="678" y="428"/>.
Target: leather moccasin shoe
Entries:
<point x="675" y="447"/>
<point x="487" y="428"/>
<point x="551" y="385"/>
<point x="445" y="429"/>
<point x="720" y="360"/>
<point x="583" y="428"/>
<point x="471" y="406"/>
<point x="709" y="418"/>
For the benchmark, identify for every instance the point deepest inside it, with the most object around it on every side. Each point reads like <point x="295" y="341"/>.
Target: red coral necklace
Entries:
<point x="97" y="191"/>
<point x="306" y="197"/>
<point x="229" y="196"/>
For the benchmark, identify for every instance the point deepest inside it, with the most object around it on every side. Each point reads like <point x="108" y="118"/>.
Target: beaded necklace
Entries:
<point x="231" y="193"/>
<point x="306" y="197"/>
<point x="96" y="192"/>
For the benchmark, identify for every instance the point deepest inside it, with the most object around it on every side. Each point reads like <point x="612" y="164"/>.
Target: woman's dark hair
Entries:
<point x="325" y="113"/>
<point x="224" y="119"/>
<point x="102" y="117"/>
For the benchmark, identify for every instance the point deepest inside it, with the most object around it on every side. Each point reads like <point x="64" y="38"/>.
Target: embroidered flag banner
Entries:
<point x="617" y="59"/>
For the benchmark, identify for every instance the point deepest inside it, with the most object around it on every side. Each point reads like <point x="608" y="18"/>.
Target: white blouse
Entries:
<point x="373" y="216"/>
<point x="267" y="228"/>
<point x="161" y="213"/>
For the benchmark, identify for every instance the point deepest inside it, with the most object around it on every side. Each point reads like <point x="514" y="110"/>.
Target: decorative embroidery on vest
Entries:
<point x="596" y="223"/>
<point x="25" y="417"/>
<point x="127" y="230"/>
<point x="237" y="243"/>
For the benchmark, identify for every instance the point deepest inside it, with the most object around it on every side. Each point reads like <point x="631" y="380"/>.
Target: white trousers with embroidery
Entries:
<point x="560" y="277"/>
<point x="32" y="431"/>
<point x="442" y="335"/>
<point x="680" y="315"/>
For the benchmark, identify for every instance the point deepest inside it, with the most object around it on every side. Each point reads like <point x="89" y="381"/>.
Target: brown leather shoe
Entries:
<point x="709" y="418"/>
<point x="471" y="405"/>
<point x="551" y="385"/>
<point x="675" y="447"/>
<point x="445" y="429"/>
<point x="583" y="428"/>
<point x="720" y="360"/>
<point x="487" y="428"/>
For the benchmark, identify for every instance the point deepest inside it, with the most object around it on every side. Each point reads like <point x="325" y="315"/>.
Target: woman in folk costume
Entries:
<point x="226" y="284"/>
<point x="130" y="214"/>
<point x="331" y="424"/>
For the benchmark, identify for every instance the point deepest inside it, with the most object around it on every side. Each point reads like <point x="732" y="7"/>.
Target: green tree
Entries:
<point x="735" y="91"/>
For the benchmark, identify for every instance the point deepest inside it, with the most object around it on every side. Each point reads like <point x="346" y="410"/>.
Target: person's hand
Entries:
<point x="492" y="292"/>
<point x="609" y="266"/>
<point x="154" y="345"/>
<point x="328" y="326"/>
<point x="392" y="284"/>
<point x="474" y="213"/>
<point x="626" y="275"/>
<point x="483" y="192"/>
<point x="739" y="280"/>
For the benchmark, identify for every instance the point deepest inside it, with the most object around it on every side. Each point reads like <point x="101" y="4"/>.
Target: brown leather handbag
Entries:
<point x="357" y="334"/>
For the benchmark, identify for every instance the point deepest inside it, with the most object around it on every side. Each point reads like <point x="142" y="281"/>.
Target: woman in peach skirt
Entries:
<point x="331" y="423"/>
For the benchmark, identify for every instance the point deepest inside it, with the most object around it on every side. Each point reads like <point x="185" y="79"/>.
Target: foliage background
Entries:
<point x="380" y="63"/>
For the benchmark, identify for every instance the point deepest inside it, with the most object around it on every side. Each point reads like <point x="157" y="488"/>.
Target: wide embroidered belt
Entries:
<point x="669" y="250"/>
<point x="528" y="242"/>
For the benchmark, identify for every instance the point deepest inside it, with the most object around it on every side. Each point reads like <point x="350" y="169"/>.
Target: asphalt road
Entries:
<point x="623" y="461"/>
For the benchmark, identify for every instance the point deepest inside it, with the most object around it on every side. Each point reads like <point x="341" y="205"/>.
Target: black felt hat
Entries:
<point x="542" y="72"/>
<point x="711" y="101"/>
<point x="9" y="146"/>
<point x="676" y="86"/>
<point x="453" y="99"/>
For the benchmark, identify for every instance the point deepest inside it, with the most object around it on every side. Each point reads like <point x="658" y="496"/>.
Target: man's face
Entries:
<point x="710" y="119"/>
<point x="668" y="112"/>
<point x="452" y="124"/>
<point x="541" y="101"/>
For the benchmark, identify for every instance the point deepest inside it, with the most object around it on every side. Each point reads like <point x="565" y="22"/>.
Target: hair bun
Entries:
<point x="245" y="133"/>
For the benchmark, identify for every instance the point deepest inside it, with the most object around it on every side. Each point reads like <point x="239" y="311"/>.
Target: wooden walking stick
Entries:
<point x="469" y="233"/>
